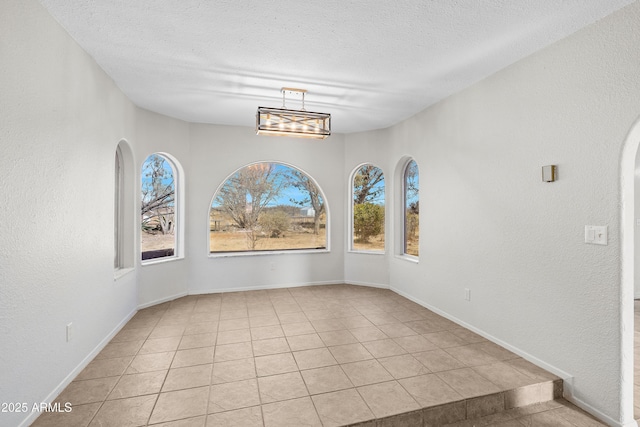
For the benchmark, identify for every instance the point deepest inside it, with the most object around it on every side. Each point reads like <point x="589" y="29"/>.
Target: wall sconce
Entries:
<point x="549" y="173"/>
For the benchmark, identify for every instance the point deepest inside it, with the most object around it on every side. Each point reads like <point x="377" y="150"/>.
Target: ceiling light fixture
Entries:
<point x="297" y="123"/>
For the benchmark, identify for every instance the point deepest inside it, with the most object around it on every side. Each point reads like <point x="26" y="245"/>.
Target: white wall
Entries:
<point x="217" y="152"/>
<point x="488" y="222"/>
<point x="636" y="291"/>
<point x="369" y="147"/>
<point x="61" y="119"/>
<point x="164" y="280"/>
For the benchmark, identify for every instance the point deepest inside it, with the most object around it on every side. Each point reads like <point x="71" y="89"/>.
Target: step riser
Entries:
<point x="472" y="408"/>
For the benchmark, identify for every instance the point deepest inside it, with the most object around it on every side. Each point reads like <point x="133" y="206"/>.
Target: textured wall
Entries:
<point x="167" y="279"/>
<point x="61" y="118"/>
<point x="636" y="291"/>
<point x="369" y="147"/>
<point x="217" y="152"/>
<point x="489" y="224"/>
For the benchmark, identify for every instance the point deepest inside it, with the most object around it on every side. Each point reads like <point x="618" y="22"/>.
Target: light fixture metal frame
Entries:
<point x="294" y="123"/>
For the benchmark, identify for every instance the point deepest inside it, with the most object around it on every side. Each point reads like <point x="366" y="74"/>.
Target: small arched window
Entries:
<point x="266" y="207"/>
<point x="368" y="209"/>
<point x="158" y="222"/>
<point x="411" y="209"/>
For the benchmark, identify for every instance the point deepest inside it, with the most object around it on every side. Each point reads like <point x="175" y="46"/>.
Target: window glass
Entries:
<point x="411" y="190"/>
<point x="158" y="209"/>
<point x="267" y="206"/>
<point x="368" y="209"/>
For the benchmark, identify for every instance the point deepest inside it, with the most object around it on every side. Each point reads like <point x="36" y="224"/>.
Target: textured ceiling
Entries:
<point x="368" y="63"/>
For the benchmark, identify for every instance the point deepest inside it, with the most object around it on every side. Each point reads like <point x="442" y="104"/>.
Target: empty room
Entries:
<point x="319" y="213"/>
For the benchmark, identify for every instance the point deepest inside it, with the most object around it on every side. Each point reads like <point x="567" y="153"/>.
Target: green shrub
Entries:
<point x="368" y="220"/>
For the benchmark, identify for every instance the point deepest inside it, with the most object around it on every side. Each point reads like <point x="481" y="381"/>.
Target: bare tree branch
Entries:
<point x="366" y="186"/>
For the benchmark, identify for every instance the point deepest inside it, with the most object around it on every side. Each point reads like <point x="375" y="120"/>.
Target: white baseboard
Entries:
<point x="161" y="300"/>
<point x="566" y="377"/>
<point x="596" y="413"/>
<point x="265" y="287"/>
<point x="368" y="284"/>
<point x="83" y="364"/>
<point x="554" y="370"/>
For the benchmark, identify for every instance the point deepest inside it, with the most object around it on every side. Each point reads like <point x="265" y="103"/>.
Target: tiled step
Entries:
<point x="553" y="413"/>
<point x="324" y="356"/>
<point x="506" y="408"/>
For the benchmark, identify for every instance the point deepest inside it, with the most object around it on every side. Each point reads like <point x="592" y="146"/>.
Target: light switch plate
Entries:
<point x="69" y="331"/>
<point x="596" y="234"/>
<point x="549" y="173"/>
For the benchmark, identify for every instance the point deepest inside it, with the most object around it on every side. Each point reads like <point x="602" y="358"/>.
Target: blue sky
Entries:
<point x="287" y="193"/>
<point x="167" y="180"/>
<point x="291" y="192"/>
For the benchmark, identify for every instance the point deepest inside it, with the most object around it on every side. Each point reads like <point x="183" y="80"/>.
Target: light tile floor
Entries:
<point x="313" y="356"/>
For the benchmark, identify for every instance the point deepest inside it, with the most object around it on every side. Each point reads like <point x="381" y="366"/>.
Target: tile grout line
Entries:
<point x="300" y="303"/>
<point x="168" y="369"/>
<point x="122" y="375"/>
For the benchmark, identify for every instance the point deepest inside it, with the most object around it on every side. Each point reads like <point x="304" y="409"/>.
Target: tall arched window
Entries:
<point x="268" y="206"/>
<point x="368" y="209"/>
<point x="411" y="208"/>
<point x="159" y="214"/>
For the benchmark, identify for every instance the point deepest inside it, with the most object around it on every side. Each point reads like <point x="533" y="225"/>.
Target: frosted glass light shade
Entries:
<point x="294" y="123"/>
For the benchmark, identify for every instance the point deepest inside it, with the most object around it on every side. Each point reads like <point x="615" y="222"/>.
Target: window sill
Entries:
<point x="351" y="251"/>
<point x="162" y="260"/>
<point x="410" y="258"/>
<point x="262" y="253"/>
<point x="121" y="272"/>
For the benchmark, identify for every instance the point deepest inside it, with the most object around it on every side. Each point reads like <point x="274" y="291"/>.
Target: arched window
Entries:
<point x="159" y="215"/>
<point x="411" y="208"/>
<point x="265" y="207"/>
<point x="368" y="208"/>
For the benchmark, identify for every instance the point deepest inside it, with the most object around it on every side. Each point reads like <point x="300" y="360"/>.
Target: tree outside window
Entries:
<point x="267" y="206"/>
<point x="411" y="189"/>
<point x="368" y="209"/>
<point x="158" y="208"/>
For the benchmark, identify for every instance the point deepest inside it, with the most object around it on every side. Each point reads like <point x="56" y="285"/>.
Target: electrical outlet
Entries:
<point x="69" y="331"/>
<point x="272" y="266"/>
<point x="467" y="294"/>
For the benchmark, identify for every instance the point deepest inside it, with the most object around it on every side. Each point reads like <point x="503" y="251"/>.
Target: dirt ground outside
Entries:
<point x="375" y="243"/>
<point x="412" y="247"/>
<point x="237" y="241"/>
<point x="152" y="242"/>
